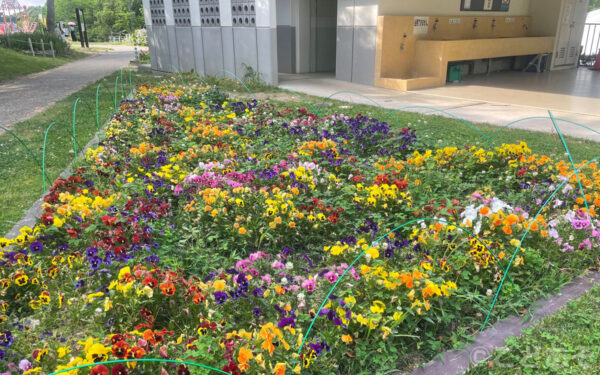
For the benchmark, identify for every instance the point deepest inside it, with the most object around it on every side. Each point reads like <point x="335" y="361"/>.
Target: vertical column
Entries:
<point x="345" y="40"/>
<point x="183" y="35"/>
<point x="266" y="40"/>
<point x="197" y="44"/>
<point x="364" y="41"/>
<point x="171" y="37"/>
<point x="286" y="37"/>
<point x="227" y="35"/>
<point x="158" y="41"/>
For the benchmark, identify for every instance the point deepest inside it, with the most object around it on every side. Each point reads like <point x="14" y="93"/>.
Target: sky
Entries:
<point x="32" y="2"/>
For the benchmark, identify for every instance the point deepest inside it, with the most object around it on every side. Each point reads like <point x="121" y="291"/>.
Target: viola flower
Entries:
<point x="6" y="339"/>
<point x="99" y="370"/>
<point x="257" y="312"/>
<point x="167" y="288"/>
<point x="36" y="247"/>
<point x="119" y="369"/>
<point x="331" y="276"/>
<point x="220" y="297"/>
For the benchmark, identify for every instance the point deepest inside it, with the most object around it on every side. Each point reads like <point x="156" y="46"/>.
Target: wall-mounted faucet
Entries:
<point x="493" y="24"/>
<point x="435" y="24"/>
<point x="474" y="23"/>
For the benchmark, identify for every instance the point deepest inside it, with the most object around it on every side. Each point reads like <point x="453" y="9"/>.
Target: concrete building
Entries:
<point x="399" y="44"/>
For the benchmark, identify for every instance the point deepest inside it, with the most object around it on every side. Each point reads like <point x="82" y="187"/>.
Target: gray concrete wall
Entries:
<point x="356" y="40"/>
<point x="286" y="48"/>
<point x="210" y="50"/>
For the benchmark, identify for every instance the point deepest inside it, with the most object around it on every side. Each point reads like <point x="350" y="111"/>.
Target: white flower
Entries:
<point x="301" y="296"/>
<point x="488" y="292"/>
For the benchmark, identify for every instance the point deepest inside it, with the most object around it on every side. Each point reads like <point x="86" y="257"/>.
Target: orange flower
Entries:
<point x="244" y="356"/>
<point x="279" y="369"/>
<point x="407" y="279"/>
<point x="242" y="230"/>
<point x="484" y="211"/>
<point x="507" y="229"/>
<point x="167" y="288"/>
<point x="346" y="338"/>
<point x="511" y="219"/>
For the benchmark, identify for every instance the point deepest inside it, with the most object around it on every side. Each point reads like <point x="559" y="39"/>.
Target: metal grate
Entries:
<point x="157" y="12"/>
<point x="181" y="12"/>
<point x="210" y="14"/>
<point x="243" y="13"/>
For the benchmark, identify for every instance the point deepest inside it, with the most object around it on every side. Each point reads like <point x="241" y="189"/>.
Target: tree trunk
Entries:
<point x="50" y="16"/>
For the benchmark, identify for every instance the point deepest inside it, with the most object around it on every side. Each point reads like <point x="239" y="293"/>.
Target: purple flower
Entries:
<point x="95" y="262"/>
<point x="220" y="297"/>
<point x="25" y="365"/>
<point x="6" y="339"/>
<point x="36" y="247"/>
<point x="257" y="311"/>
<point x="2" y="354"/>
<point x="284" y="322"/>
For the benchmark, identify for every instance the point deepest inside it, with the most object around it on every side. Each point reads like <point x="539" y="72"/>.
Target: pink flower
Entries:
<point x="267" y="279"/>
<point x="178" y="189"/>
<point x="331" y="277"/>
<point x="278" y="265"/>
<point x="586" y="244"/>
<point x="309" y="284"/>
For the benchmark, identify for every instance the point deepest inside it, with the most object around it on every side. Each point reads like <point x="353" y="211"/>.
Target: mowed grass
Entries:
<point x="567" y="342"/>
<point x="20" y="176"/>
<point x="14" y="64"/>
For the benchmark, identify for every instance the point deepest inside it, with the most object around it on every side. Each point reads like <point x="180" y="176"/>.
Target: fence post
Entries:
<point x="52" y="49"/>
<point x="43" y="47"/>
<point x="31" y="47"/>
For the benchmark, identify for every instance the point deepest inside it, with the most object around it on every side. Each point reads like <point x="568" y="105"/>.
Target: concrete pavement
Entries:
<point x="23" y="97"/>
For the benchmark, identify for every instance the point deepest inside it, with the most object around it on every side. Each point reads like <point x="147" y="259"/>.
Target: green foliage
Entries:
<point x="594" y="4"/>
<point x="103" y="17"/>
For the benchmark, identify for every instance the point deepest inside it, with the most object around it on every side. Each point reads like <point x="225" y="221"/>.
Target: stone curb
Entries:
<point x="459" y="361"/>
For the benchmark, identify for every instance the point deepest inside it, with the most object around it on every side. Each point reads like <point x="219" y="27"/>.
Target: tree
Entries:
<point x="50" y="16"/>
<point x="594" y="4"/>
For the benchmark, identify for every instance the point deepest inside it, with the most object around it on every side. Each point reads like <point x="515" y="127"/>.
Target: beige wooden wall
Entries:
<point x="396" y="52"/>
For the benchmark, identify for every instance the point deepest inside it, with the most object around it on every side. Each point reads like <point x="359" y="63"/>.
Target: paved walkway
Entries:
<point x="23" y="97"/>
<point x="484" y="103"/>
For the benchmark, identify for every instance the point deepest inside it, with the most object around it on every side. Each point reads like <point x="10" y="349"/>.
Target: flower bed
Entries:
<point x="212" y="231"/>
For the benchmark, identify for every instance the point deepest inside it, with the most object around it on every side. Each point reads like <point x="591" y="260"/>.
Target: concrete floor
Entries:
<point x="25" y="96"/>
<point x="498" y="99"/>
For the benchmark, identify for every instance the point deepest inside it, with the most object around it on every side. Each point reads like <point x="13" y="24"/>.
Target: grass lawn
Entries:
<point x="20" y="176"/>
<point x="16" y="64"/>
<point x="565" y="343"/>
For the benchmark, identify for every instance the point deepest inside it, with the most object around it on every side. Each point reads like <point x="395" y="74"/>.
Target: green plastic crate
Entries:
<point x="454" y="72"/>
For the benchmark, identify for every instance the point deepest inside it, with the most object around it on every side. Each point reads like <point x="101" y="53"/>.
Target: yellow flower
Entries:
<point x="219" y="284"/>
<point x="378" y="307"/>
<point x="63" y="351"/>
<point x="346" y="338"/>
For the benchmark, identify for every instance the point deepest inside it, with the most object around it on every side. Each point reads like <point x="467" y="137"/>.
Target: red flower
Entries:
<point x="151" y="282"/>
<point x="198" y="298"/>
<point x="521" y="172"/>
<point x="401" y="184"/>
<point x="183" y="370"/>
<point x="99" y="370"/>
<point x="119" y="369"/>
<point x="120" y="349"/>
